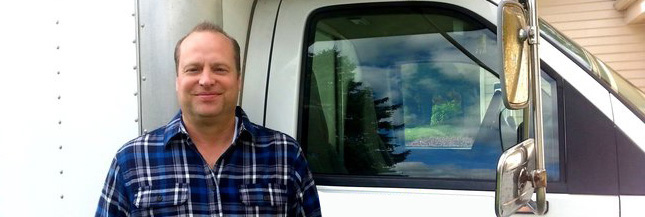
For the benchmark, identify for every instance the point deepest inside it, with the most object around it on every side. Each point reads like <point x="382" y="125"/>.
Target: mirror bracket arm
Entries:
<point x="533" y="35"/>
<point x="539" y="178"/>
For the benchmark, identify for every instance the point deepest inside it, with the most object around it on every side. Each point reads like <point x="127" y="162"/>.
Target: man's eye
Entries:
<point x="191" y="70"/>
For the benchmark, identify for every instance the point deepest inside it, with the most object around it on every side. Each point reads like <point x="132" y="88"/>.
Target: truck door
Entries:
<point x="398" y="108"/>
<point x="604" y="117"/>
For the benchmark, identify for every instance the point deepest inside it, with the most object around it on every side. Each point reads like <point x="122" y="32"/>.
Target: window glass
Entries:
<point x="550" y="122"/>
<point x="415" y="100"/>
<point x="511" y="124"/>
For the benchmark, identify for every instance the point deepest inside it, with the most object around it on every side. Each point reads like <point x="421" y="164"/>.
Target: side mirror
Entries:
<point x="514" y="178"/>
<point x="521" y="170"/>
<point x="512" y="34"/>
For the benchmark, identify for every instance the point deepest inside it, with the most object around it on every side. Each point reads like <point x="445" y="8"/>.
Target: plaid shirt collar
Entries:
<point x="176" y="127"/>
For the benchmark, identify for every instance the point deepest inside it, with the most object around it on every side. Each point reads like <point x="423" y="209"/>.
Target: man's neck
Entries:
<point x="210" y="131"/>
<point x="211" y="136"/>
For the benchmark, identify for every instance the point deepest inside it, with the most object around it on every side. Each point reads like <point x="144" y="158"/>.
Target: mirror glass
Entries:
<point x="514" y="188"/>
<point x="511" y="36"/>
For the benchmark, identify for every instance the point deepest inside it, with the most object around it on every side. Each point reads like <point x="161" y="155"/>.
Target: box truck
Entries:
<point x="403" y="108"/>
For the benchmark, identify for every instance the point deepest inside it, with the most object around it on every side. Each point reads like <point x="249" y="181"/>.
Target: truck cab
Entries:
<point x="398" y="107"/>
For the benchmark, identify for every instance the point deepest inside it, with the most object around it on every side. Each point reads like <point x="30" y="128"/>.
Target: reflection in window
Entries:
<point x="414" y="100"/>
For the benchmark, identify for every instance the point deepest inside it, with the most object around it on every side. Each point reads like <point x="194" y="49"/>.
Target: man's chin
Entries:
<point x="216" y="113"/>
<point x="208" y="114"/>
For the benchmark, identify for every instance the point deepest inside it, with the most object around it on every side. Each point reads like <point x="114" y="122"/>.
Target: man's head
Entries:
<point x="208" y="80"/>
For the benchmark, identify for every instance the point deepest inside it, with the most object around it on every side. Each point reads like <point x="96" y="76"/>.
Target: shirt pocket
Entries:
<point x="161" y="196"/>
<point x="266" y="194"/>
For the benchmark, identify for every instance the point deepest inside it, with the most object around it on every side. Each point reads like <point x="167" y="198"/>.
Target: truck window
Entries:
<point x="407" y="92"/>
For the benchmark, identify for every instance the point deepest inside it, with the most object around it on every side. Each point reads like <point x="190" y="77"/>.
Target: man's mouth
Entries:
<point x="207" y="95"/>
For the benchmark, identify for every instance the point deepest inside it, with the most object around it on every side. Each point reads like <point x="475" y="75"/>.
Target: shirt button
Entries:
<point x="159" y="198"/>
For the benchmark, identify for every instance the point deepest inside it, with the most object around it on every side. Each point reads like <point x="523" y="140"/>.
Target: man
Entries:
<point x="209" y="160"/>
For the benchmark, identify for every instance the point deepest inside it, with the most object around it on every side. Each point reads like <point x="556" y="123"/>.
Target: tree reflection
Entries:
<point x="368" y="142"/>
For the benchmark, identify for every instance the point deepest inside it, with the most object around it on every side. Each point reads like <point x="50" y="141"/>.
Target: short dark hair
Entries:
<point x="210" y="27"/>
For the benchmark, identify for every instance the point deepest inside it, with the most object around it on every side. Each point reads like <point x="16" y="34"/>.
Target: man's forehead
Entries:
<point x="204" y="42"/>
<point x="202" y="38"/>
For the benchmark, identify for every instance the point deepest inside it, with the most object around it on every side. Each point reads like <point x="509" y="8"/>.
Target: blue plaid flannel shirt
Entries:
<point x="161" y="173"/>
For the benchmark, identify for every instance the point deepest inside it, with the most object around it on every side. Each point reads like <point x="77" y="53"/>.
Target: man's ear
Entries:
<point x="239" y="82"/>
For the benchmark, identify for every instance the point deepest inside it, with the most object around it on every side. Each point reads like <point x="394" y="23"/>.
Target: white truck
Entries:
<point x="398" y="105"/>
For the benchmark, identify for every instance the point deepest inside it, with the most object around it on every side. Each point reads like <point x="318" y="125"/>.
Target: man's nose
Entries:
<point x="206" y="78"/>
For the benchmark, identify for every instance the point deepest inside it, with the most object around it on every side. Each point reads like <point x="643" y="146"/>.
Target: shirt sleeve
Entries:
<point x="113" y="201"/>
<point x="307" y="192"/>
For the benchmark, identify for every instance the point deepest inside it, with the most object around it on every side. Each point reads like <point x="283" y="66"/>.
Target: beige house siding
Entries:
<point x="603" y="30"/>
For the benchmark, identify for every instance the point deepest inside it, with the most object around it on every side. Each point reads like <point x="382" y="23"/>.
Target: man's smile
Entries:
<point x="207" y="95"/>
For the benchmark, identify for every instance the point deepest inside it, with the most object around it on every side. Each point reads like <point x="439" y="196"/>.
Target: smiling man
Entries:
<point x="209" y="160"/>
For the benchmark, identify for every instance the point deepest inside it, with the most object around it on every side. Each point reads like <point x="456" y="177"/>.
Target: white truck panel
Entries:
<point x="580" y="205"/>
<point x="28" y="82"/>
<point x="56" y="151"/>
<point x="631" y="205"/>
<point x="578" y="78"/>
<point x="257" y="60"/>
<point x="419" y="202"/>
<point x="426" y="202"/>
<point x="628" y="122"/>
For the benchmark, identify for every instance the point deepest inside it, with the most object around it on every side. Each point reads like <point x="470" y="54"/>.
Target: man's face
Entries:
<point x="207" y="81"/>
